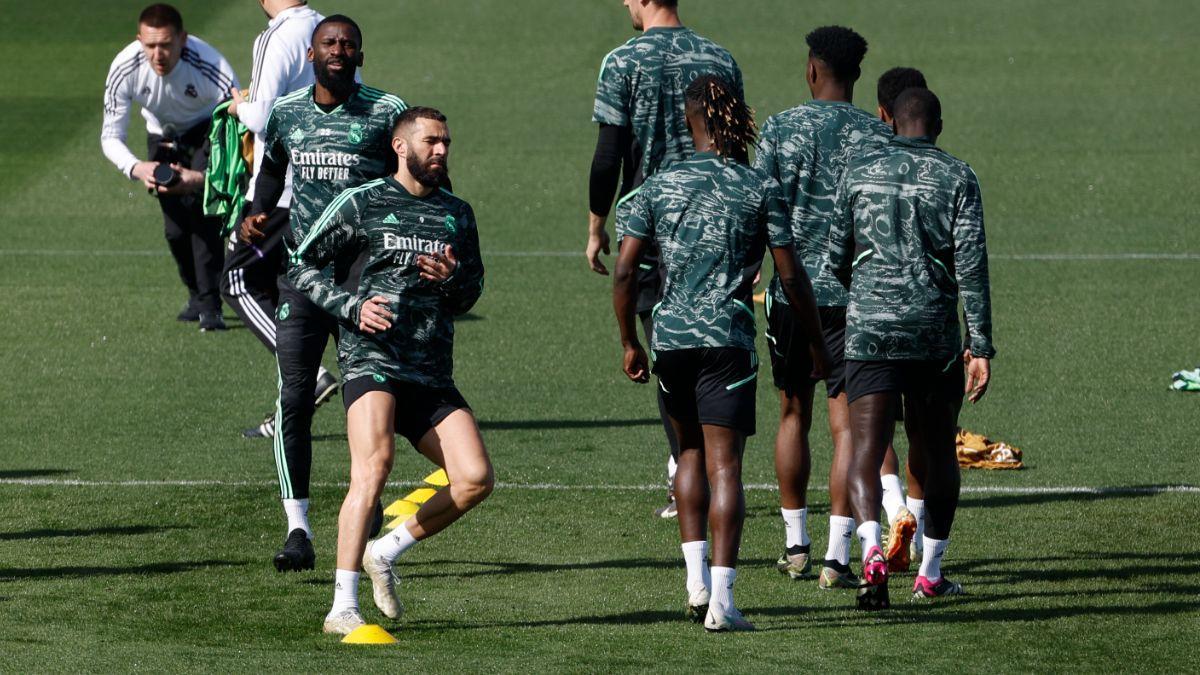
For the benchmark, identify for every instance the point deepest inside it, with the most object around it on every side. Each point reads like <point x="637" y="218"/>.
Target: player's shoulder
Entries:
<point x="361" y="194"/>
<point x="293" y="102"/>
<point x="453" y="203"/>
<point x="382" y="100"/>
<point x="957" y="168"/>
<point x="621" y="57"/>
<point x="130" y="56"/>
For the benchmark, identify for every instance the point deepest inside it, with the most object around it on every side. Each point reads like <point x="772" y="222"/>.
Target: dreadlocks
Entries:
<point x="727" y="118"/>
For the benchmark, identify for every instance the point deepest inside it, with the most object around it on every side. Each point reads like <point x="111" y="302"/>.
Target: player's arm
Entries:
<point x="971" y="273"/>
<point x="457" y="271"/>
<point x="118" y="101"/>
<point x="613" y="147"/>
<point x="333" y="235"/>
<point x="635" y="223"/>
<point x="793" y="278"/>
<point x="269" y="184"/>
<point x="270" y="81"/>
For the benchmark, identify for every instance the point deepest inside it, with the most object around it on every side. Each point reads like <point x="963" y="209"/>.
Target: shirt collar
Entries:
<point x="282" y="16"/>
<point x="914" y="142"/>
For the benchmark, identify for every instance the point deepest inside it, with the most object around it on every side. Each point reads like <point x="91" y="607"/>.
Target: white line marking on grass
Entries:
<point x="562" y="487"/>
<point x="1034" y="257"/>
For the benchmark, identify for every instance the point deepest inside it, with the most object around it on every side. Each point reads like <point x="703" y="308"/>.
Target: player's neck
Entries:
<point x="328" y="97"/>
<point x="662" y="18"/>
<point x="834" y="92"/>
<point x="413" y="186"/>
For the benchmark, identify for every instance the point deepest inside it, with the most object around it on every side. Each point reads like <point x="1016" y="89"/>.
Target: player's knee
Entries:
<point x="473" y="489"/>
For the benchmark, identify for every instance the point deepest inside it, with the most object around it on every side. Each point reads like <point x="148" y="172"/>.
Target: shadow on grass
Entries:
<point x="82" y="572"/>
<point x="509" y="425"/>
<point x="977" y="500"/>
<point x="89" y="531"/>
<point x="506" y="568"/>
<point x="32" y="473"/>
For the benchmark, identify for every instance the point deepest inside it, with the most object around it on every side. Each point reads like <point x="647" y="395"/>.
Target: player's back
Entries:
<point x="807" y="149"/>
<point x="331" y="151"/>
<point x="642" y="85"/>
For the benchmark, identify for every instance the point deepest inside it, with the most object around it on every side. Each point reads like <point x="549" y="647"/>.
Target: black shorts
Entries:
<point x="791" y="360"/>
<point x="916" y="380"/>
<point x="709" y="385"/>
<point x="418" y="408"/>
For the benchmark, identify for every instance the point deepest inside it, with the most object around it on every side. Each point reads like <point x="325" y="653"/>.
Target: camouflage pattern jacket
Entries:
<point x="389" y="227"/>
<point x="713" y="219"/>
<point x="914" y="215"/>
<point x="806" y="149"/>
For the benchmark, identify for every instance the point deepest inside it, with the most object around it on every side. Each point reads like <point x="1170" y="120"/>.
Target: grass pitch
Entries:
<point x="136" y="527"/>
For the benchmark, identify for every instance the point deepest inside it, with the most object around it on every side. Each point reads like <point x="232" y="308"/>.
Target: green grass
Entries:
<point x="1078" y="121"/>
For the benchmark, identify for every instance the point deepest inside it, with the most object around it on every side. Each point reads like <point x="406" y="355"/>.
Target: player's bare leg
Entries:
<point x="723" y="448"/>
<point x="793" y="466"/>
<point x="692" y="502"/>
<point x="835" y="572"/>
<point x="931" y="429"/>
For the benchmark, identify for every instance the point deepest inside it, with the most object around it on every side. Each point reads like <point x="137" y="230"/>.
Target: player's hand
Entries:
<point x="189" y="181"/>
<point x="238" y="99"/>
<point x="250" y="230"/>
<point x="822" y="361"/>
<point x="439" y="266"/>
<point x="979" y="373"/>
<point x="637" y="366"/>
<point x="144" y="171"/>
<point x="597" y="242"/>
<point x="374" y="317"/>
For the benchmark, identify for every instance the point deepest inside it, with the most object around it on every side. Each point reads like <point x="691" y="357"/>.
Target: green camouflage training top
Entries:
<point x="642" y="85"/>
<point x="329" y="151"/>
<point x="914" y="214"/>
<point x="389" y="227"/>
<point x="712" y="220"/>
<point x="806" y="149"/>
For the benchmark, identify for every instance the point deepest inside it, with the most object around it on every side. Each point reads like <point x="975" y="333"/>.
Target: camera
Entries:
<point x="165" y="176"/>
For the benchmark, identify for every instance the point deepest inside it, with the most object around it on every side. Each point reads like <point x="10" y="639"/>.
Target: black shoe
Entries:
<point x="264" y="430"/>
<point x="210" y="321"/>
<point x="873" y="597"/>
<point x="189" y="313"/>
<point x="297" y="553"/>
<point x="377" y="520"/>
<point x="327" y="387"/>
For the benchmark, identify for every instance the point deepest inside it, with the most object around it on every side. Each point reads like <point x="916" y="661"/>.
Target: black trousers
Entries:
<point x="194" y="240"/>
<point x="302" y="330"/>
<point x="250" y="278"/>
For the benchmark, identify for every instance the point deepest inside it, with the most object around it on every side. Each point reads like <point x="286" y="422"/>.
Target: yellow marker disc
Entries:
<point x="438" y="478"/>
<point x="401" y="507"/>
<point x="420" y="495"/>
<point x="369" y="634"/>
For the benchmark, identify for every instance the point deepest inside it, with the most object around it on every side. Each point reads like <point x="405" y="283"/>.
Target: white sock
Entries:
<point x="868" y="536"/>
<point x="917" y="508"/>
<point x="931" y="559"/>
<point x="893" y="496"/>
<point x="695" y="556"/>
<point x="393" y="544"/>
<point x="345" y="591"/>
<point x="722" y="588"/>
<point x="841" y="528"/>
<point x="297" y="515"/>
<point x="795" y="525"/>
<point x="672" y="467"/>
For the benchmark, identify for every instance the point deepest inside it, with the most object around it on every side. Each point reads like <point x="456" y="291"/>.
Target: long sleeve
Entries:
<point x="462" y="290"/>
<point x="117" y="103"/>
<point x="272" y="174"/>
<point x="971" y="266"/>
<point x="271" y="76"/>
<point x="332" y="236"/>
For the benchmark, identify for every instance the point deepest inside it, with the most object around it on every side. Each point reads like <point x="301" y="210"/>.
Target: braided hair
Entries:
<point x="727" y="118"/>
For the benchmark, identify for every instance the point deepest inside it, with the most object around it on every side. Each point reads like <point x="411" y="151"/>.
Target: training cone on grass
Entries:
<point x="370" y="634"/>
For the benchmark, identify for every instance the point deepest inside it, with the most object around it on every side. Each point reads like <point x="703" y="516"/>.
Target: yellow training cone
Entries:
<point x="398" y="522"/>
<point x="438" y="478"/>
<point x="401" y="507"/>
<point x="370" y="634"/>
<point x="420" y="495"/>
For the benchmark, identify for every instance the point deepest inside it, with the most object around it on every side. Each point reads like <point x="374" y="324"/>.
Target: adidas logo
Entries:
<point x="391" y="219"/>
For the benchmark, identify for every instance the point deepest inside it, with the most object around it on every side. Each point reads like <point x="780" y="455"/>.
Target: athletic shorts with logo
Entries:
<point x="709" y="385"/>
<point x="927" y="382"/>
<point x="418" y="408"/>
<point x="791" y="360"/>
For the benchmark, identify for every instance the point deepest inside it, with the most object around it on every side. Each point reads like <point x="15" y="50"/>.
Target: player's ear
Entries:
<point x="359" y="62"/>
<point x="310" y="55"/>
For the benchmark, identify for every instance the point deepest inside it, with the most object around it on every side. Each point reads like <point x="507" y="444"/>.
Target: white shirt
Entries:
<point x="280" y="67"/>
<point x="171" y="104"/>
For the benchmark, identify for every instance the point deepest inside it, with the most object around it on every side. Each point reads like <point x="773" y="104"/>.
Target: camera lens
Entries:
<point x="165" y="176"/>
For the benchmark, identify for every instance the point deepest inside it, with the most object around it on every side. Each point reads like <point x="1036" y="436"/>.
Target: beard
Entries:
<point x="427" y="175"/>
<point x="340" y="84"/>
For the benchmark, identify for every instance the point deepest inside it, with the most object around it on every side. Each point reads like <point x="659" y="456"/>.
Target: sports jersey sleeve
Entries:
<point x="775" y="216"/>
<point x="635" y="217"/>
<point x="272" y="174"/>
<point x="333" y="236"/>
<point x="462" y="290"/>
<point x="841" y="236"/>
<point x="612" y="93"/>
<point x="971" y="266"/>
<point x="118" y="98"/>
<point x="766" y="154"/>
<point x="271" y="77"/>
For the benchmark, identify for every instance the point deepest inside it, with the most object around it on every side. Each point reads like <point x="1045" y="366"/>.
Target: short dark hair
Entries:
<point x="839" y="47"/>
<point x="342" y="19"/>
<point x="895" y="81"/>
<point x="161" y="15"/>
<point x="666" y="3"/>
<point x="415" y="113"/>
<point x="917" y="104"/>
